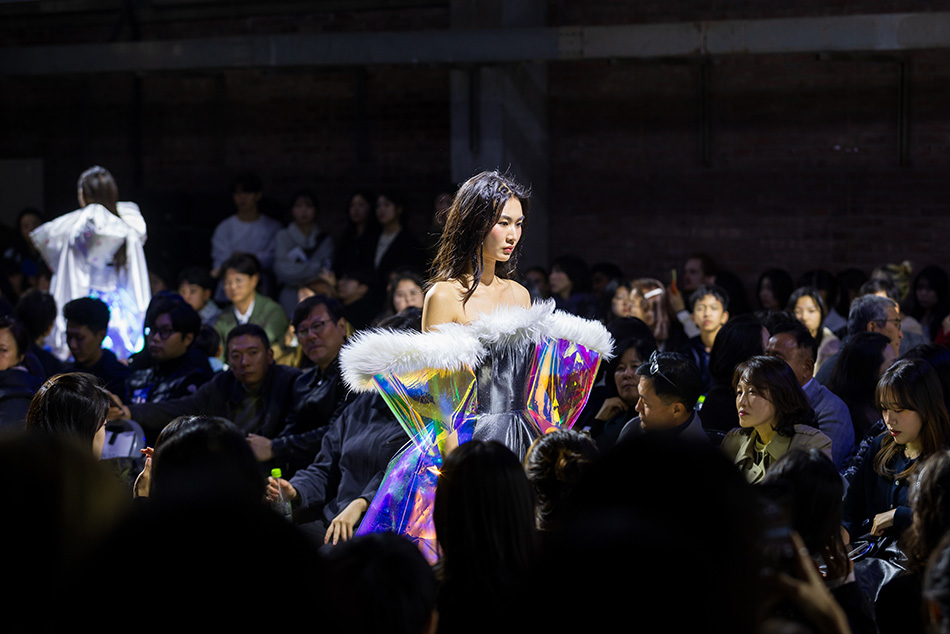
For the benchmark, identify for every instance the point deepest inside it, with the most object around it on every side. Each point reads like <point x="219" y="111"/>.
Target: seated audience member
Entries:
<point x="807" y="305"/>
<point x="247" y="231"/>
<point x="668" y="388"/>
<point x="555" y="464"/>
<point x="390" y="569"/>
<point x="536" y="281"/>
<point x="774" y="418"/>
<point x="17" y="385"/>
<point x="355" y="290"/>
<point x="405" y="291"/>
<point x="36" y="311"/>
<point x="318" y="393"/>
<point x="862" y="361"/>
<point x="710" y="313"/>
<point x="620" y="379"/>
<point x="60" y="504"/>
<point x="740" y="339"/>
<point x="849" y="283"/>
<point x="256" y="394"/>
<point x="827" y="285"/>
<point x="774" y="288"/>
<point x="570" y="286"/>
<point x="333" y="492"/>
<point x="396" y="248"/>
<point x="87" y="324"/>
<point x="869" y="313"/>
<point x="791" y="342"/>
<point x="208" y="342"/>
<point x="71" y="405"/>
<point x="911" y="331"/>
<point x="699" y="270"/>
<point x="616" y="302"/>
<point x="911" y="400"/>
<point x="929" y="301"/>
<point x="303" y="252"/>
<point x="936" y="591"/>
<point x="241" y="274"/>
<point x="930" y="505"/>
<point x="808" y="488"/>
<point x="175" y="368"/>
<point x="939" y="357"/>
<point x="484" y="521"/>
<point x="196" y="286"/>
<point x="664" y="312"/>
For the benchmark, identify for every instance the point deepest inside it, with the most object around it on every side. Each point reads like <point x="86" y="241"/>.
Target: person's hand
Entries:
<point x="611" y="407"/>
<point x="675" y="298"/>
<point x="143" y="483"/>
<point x="273" y="492"/>
<point x="117" y="411"/>
<point x="261" y="447"/>
<point x="882" y="522"/>
<point x="809" y="592"/>
<point x="342" y="526"/>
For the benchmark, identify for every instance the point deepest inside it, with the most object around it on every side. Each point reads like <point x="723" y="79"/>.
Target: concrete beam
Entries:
<point x="858" y="33"/>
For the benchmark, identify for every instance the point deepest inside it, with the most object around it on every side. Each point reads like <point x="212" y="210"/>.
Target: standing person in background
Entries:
<point x="96" y="251"/>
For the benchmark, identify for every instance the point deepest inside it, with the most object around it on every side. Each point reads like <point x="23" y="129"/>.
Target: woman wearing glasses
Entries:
<point x="488" y="365"/>
<point x="774" y="417"/>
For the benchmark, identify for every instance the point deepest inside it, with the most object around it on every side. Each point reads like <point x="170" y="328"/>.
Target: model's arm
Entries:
<point x="442" y="305"/>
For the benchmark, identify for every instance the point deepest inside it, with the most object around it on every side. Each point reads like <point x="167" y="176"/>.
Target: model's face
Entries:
<point x="320" y="337"/>
<point x="387" y="212"/>
<point x="785" y="347"/>
<point x="303" y="211"/>
<point x="84" y="344"/>
<point x="196" y="296"/>
<point x="359" y="209"/>
<point x="407" y="294"/>
<point x="621" y="304"/>
<point x="28" y="223"/>
<point x="625" y="376"/>
<point x="655" y="414"/>
<point x="559" y="282"/>
<point x="166" y="343"/>
<point x="692" y="275"/>
<point x="708" y="314"/>
<point x="767" y="295"/>
<point x="754" y="406"/>
<point x="503" y="237"/>
<point x="808" y="312"/>
<point x="9" y="354"/>
<point x="239" y="287"/>
<point x="99" y="441"/>
<point x="249" y="360"/>
<point x="904" y="425"/>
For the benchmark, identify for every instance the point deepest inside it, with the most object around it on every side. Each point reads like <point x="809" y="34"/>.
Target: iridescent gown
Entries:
<point x="510" y="376"/>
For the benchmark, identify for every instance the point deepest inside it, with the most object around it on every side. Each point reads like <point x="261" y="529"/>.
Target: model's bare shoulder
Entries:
<point x="443" y="304"/>
<point x="520" y="293"/>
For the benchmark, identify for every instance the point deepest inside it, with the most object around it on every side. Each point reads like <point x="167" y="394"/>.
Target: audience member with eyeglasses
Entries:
<point x="668" y="386"/>
<point x="172" y="367"/>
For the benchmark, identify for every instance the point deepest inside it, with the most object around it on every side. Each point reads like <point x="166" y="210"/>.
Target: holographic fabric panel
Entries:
<point x="560" y="383"/>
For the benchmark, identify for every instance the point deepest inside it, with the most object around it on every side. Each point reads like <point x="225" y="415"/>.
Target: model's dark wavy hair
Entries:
<point x="475" y="210"/>
<point x="72" y="404"/>
<point x="912" y="385"/>
<point x="776" y="380"/>
<point x="97" y="186"/>
<point x="930" y="499"/>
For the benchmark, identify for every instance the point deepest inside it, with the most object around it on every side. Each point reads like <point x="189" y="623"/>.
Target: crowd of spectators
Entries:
<point x="780" y="462"/>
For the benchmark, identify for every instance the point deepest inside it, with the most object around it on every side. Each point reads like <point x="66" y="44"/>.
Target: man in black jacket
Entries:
<point x="255" y="394"/>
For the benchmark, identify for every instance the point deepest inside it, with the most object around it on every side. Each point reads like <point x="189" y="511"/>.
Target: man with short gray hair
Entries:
<point x="869" y="313"/>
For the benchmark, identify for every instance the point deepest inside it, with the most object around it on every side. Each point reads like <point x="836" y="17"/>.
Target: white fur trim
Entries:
<point x="512" y="326"/>
<point x="587" y="332"/>
<point x="374" y="352"/>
